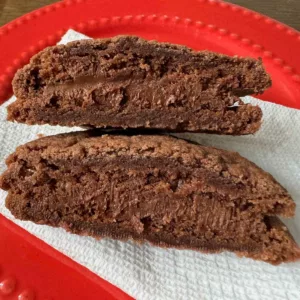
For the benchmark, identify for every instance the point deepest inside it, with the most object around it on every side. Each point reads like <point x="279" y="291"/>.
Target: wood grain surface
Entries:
<point x="285" y="11"/>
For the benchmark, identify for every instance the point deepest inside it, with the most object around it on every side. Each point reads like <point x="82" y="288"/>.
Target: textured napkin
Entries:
<point x="147" y="272"/>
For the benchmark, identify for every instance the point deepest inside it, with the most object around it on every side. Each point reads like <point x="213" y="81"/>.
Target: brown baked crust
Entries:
<point x="150" y="188"/>
<point x="127" y="82"/>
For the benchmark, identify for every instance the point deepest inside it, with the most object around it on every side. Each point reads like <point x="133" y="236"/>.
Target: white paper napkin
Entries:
<point x="147" y="272"/>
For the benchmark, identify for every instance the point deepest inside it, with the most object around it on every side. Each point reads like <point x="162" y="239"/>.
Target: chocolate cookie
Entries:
<point x="127" y="82"/>
<point x="151" y="188"/>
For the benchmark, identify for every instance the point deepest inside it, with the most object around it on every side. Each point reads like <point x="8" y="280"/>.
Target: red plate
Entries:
<point x="28" y="265"/>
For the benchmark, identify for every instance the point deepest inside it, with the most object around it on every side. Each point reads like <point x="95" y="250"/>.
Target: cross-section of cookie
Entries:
<point x="128" y="82"/>
<point x="153" y="188"/>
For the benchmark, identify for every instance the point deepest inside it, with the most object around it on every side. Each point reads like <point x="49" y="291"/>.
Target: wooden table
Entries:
<point x="286" y="11"/>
